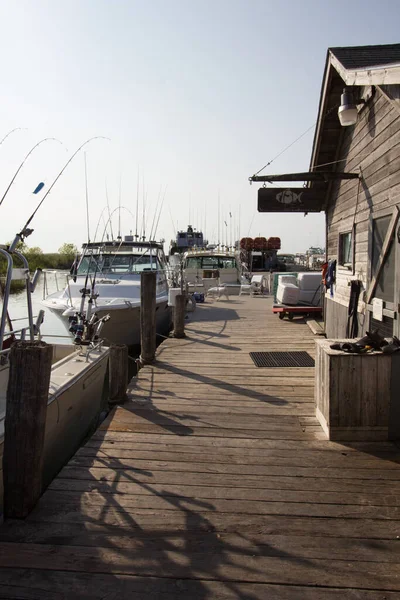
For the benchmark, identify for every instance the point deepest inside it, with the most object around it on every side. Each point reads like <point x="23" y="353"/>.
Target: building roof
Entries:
<point x="361" y="57"/>
<point x="348" y="66"/>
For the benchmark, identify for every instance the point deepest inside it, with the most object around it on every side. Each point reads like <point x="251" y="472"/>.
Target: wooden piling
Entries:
<point x="25" y="424"/>
<point x="148" y="284"/>
<point x="119" y="379"/>
<point x="179" y="316"/>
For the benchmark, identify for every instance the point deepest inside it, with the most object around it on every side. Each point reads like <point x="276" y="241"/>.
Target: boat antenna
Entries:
<point x="57" y="178"/>
<point x="109" y="213"/>
<point x="87" y="201"/>
<point x="159" y="214"/>
<point x="219" y="211"/>
<point x="154" y="215"/>
<point x="137" y="204"/>
<point x="147" y="212"/>
<point x="23" y="162"/>
<point x="119" y="204"/>
<point x="144" y="212"/>
<point x="111" y="216"/>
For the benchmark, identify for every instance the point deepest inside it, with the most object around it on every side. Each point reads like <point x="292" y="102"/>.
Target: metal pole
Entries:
<point x="6" y="294"/>
<point x="28" y="294"/>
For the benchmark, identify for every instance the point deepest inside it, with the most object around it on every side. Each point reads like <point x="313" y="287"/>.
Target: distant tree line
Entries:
<point x="38" y="259"/>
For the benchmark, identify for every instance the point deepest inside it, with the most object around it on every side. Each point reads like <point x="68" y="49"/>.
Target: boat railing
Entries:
<point x="30" y="284"/>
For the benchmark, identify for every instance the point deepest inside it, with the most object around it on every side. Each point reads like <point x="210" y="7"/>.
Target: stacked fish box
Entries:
<point x="310" y="288"/>
<point x="305" y="289"/>
<point x="288" y="291"/>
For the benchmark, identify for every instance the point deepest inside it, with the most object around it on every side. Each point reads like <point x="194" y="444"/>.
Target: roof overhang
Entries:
<point x="373" y="75"/>
<point x="336" y="76"/>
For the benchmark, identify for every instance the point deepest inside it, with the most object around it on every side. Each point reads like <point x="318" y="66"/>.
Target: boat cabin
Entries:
<point x="124" y="258"/>
<point x="222" y="267"/>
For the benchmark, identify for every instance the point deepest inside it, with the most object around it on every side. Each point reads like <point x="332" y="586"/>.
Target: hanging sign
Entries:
<point x="301" y="199"/>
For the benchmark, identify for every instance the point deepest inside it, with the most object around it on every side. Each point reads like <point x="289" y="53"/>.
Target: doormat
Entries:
<point x="282" y="359"/>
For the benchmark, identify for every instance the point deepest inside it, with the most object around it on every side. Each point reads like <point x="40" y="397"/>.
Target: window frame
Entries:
<point x="346" y="266"/>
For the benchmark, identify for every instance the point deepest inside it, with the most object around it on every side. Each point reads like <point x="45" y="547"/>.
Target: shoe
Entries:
<point x="373" y="340"/>
<point x="392" y="346"/>
<point x="349" y="347"/>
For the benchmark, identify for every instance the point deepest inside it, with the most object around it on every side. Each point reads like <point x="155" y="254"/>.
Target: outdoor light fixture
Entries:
<point x="348" y="108"/>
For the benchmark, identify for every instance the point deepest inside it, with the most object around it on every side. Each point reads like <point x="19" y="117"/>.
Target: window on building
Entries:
<point x="385" y="286"/>
<point x="346" y="244"/>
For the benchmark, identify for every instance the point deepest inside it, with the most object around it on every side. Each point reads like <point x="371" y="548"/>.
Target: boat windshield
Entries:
<point x="210" y="262"/>
<point x="118" y="263"/>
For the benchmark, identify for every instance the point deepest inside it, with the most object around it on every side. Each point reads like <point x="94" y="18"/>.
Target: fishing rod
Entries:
<point x="137" y="205"/>
<point x="25" y="231"/>
<point x="87" y="201"/>
<point x="10" y="132"/>
<point x="109" y="216"/>
<point x="119" y="205"/>
<point x="98" y="222"/>
<point x="23" y="162"/>
<point x="154" y="215"/>
<point x="172" y="220"/>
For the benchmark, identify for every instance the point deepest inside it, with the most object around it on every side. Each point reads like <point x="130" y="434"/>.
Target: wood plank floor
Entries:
<point x="215" y="481"/>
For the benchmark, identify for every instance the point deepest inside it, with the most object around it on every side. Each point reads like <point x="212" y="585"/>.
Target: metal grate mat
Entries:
<point x="282" y="359"/>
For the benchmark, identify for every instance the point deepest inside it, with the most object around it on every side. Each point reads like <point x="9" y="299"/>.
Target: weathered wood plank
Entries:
<point x="223" y="564"/>
<point x="214" y="482"/>
<point x="134" y="489"/>
<point x="126" y="464"/>
<point x="35" y="583"/>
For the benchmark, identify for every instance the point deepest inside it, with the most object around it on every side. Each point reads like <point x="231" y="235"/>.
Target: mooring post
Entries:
<point x="25" y="424"/>
<point x="119" y="363"/>
<point x="179" y="316"/>
<point x="148" y="285"/>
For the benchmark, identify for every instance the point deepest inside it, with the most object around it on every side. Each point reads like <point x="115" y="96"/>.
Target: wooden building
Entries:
<point x="354" y="177"/>
<point x="362" y="226"/>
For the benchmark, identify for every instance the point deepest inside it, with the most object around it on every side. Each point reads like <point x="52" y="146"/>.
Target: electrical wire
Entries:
<point x="284" y="150"/>
<point x="328" y="112"/>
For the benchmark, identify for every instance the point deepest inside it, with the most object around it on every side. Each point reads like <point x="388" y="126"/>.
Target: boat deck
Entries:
<point x="215" y="481"/>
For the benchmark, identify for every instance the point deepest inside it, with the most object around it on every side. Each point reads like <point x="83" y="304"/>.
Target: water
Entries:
<point x="53" y="331"/>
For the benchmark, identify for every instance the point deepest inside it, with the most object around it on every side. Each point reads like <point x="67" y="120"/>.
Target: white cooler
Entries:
<point x="309" y="281"/>
<point x="287" y="293"/>
<point x="312" y="298"/>
<point x="287" y="279"/>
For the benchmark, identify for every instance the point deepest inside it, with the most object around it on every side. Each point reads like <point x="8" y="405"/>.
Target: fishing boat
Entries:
<point x="78" y="375"/>
<point x="185" y="240"/>
<point x="105" y="279"/>
<point x="203" y="269"/>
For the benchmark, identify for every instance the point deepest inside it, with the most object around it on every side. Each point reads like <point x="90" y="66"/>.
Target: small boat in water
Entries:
<point x="106" y="280"/>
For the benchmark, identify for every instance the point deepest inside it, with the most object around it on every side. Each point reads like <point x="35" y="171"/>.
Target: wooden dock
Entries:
<point x="215" y="481"/>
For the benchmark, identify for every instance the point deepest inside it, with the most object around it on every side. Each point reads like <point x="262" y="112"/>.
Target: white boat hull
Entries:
<point x="77" y="391"/>
<point x="124" y="324"/>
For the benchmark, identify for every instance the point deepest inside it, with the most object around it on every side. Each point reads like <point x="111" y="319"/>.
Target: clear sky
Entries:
<point x="196" y="95"/>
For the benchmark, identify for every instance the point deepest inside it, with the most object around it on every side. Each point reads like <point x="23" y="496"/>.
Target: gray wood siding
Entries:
<point x="372" y="146"/>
